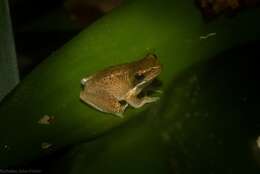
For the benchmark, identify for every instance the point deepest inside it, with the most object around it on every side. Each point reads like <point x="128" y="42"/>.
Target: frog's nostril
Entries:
<point x="155" y="56"/>
<point x="152" y="55"/>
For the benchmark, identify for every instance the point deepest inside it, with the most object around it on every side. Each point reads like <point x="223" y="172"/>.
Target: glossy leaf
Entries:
<point x="171" y="29"/>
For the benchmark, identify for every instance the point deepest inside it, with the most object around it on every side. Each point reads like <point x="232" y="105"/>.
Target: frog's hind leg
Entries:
<point x="136" y="102"/>
<point x="103" y="101"/>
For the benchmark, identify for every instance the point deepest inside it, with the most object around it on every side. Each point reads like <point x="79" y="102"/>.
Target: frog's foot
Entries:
<point x="123" y="107"/>
<point x="158" y="91"/>
<point x="139" y="102"/>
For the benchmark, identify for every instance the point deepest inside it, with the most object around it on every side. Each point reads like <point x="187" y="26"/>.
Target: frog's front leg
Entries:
<point x="136" y="102"/>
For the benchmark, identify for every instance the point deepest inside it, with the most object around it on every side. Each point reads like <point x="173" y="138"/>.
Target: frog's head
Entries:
<point x="147" y="69"/>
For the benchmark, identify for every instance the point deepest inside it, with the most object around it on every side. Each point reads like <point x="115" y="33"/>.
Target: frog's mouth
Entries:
<point x="150" y="88"/>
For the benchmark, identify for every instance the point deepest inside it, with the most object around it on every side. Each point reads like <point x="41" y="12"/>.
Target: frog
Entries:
<point x="113" y="89"/>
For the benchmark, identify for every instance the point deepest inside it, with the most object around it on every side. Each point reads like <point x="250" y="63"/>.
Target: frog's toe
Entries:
<point x="119" y="114"/>
<point x="151" y="99"/>
<point x="158" y="91"/>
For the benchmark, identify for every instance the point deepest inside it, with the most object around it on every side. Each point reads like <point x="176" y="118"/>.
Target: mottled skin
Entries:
<point x="112" y="89"/>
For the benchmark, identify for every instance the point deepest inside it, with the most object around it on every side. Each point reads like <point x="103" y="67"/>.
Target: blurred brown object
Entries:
<point x="212" y="8"/>
<point x="86" y="11"/>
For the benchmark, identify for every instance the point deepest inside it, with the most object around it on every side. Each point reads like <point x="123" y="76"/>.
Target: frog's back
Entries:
<point x="115" y="80"/>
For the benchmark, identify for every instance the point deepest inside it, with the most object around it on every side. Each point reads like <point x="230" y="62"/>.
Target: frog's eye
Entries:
<point x="139" y="77"/>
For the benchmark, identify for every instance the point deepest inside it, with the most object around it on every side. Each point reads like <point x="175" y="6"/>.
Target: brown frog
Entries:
<point x="112" y="89"/>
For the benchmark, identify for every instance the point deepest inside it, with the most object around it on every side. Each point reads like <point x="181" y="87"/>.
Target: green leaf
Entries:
<point x="172" y="29"/>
